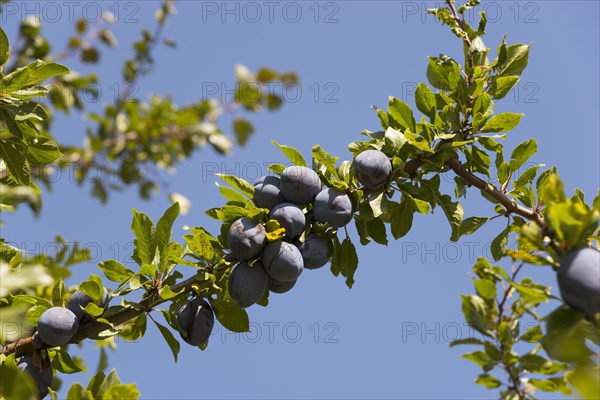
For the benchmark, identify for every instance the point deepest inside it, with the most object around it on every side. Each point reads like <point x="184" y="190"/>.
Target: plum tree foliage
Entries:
<point x="265" y="242"/>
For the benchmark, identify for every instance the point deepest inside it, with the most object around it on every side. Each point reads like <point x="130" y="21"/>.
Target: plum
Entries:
<point x="80" y="300"/>
<point x="267" y="192"/>
<point x="290" y="217"/>
<point x="196" y="319"/>
<point x="41" y="377"/>
<point x="579" y="280"/>
<point x="334" y="207"/>
<point x="282" y="261"/>
<point x="248" y="283"/>
<point x="57" y="325"/>
<point x="246" y="238"/>
<point x="279" y="287"/>
<point x="372" y="168"/>
<point x="314" y="251"/>
<point x="299" y="185"/>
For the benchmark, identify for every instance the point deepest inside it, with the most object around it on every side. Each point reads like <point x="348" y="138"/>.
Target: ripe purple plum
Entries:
<point x="290" y="217"/>
<point x="372" y="168"/>
<point x="300" y="185"/>
<point x="57" y="325"/>
<point x="197" y="319"/>
<point x="334" y="207"/>
<point x="248" y="283"/>
<point x="279" y="287"/>
<point x="282" y="261"/>
<point x="42" y="377"/>
<point x="246" y="238"/>
<point x="314" y="251"/>
<point x="267" y="192"/>
<point x="579" y="280"/>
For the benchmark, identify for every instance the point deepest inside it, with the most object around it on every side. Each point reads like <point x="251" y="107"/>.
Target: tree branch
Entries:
<point x="25" y="346"/>
<point x="510" y="206"/>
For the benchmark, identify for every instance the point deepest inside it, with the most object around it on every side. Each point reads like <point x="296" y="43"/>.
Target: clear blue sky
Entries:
<point x="388" y="336"/>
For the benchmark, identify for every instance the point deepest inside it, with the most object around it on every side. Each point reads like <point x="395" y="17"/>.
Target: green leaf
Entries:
<point x="477" y="313"/>
<point x="93" y="310"/>
<point x="425" y="100"/>
<point x="418" y="205"/>
<point x="170" y="339"/>
<point x="346" y="259"/>
<point x="59" y="293"/>
<point x="62" y="361"/>
<point x="93" y="288"/>
<point x="499" y="244"/>
<point x="77" y="392"/>
<point x="238" y="183"/>
<point x="485" y="288"/>
<point x="202" y="245"/>
<point x="95" y="383"/>
<point x="165" y="225"/>
<point x="14" y="154"/>
<point x="394" y="139"/>
<point x="110" y="380"/>
<point x="122" y="391"/>
<point x="325" y="159"/>
<point x="231" y="315"/>
<point x="145" y="244"/>
<point x="459" y="342"/>
<point x="517" y="56"/>
<point x="488" y="381"/>
<point x="402" y="218"/>
<point x="522" y="153"/>
<point x="31" y="75"/>
<point x="539" y="365"/>
<point x="376" y="230"/>
<point x="469" y="226"/>
<point x="402" y="114"/>
<point x="565" y="336"/>
<point x="115" y="271"/>
<point x="532" y="335"/>
<point x="242" y="129"/>
<point x="232" y="194"/>
<point x="502" y="86"/>
<point x="502" y="122"/>
<point x="453" y="210"/>
<point x="43" y="151"/>
<point x="4" y="48"/>
<point x="134" y="329"/>
<point x="443" y="73"/>
<point x="16" y="384"/>
<point x="292" y="154"/>
<point x="417" y="141"/>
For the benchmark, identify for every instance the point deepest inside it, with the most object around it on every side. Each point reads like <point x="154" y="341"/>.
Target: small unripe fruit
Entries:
<point x="372" y="168"/>
<point x="290" y="217"/>
<point x="196" y="319"/>
<point x="246" y="238"/>
<point x="282" y="261"/>
<point x="279" y="287"/>
<point x="579" y="280"/>
<point x="334" y="207"/>
<point x="248" y="283"/>
<point x="300" y="185"/>
<point x="314" y="251"/>
<point x="57" y="325"/>
<point x="267" y="192"/>
<point x="42" y="378"/>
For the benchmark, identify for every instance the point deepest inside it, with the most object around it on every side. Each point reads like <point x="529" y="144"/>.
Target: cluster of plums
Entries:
<point x="56" y="327"/>
<point x="281" y="262"/>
